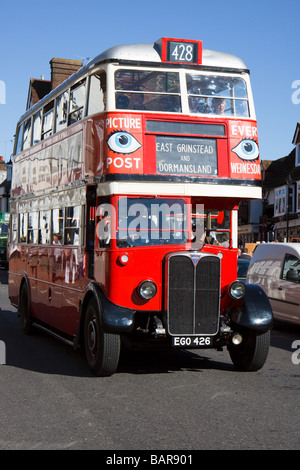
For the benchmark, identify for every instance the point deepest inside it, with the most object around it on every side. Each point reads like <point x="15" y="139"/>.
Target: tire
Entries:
<point x="252" y="353"/>
<point x="102" y="350"/>
<point x="24" y="311"/>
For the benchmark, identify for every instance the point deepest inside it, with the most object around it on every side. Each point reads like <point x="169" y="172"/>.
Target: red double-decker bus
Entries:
<point x="126" y="183"/>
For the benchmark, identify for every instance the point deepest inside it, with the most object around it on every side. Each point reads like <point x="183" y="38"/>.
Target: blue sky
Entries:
<point x="264" y="33"/>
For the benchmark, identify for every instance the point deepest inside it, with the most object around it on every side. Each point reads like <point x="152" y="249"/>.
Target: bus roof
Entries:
<point x="149" y="53"/>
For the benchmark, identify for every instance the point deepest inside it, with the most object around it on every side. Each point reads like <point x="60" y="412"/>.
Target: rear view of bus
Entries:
<point x="126" y="185"/>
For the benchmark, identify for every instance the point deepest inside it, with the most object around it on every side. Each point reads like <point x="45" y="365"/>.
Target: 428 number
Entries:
<point x="183" y="53"/>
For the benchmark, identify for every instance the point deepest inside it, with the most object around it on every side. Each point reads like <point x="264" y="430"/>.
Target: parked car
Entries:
<point x="242" y="269"/>
<point x="276" y="268"/>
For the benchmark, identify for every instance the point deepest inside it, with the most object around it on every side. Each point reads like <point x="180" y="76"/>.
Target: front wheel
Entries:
<point x="102" y="349"/>
<point x="252" y="353"/>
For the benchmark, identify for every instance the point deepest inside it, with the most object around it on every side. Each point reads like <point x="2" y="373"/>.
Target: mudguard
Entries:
<point x="114" y="319"/>
<point x="254" y="311"/>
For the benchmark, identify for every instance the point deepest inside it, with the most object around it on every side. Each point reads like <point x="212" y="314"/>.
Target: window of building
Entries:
<point x="297" y="155"/>
<point x="280" y="201"/>
<point x="298" y="197"/>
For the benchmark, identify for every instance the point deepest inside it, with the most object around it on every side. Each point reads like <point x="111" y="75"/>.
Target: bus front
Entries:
<point x="178" y="152"/>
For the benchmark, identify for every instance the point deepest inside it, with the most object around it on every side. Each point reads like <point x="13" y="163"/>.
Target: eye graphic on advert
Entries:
<point x="122" y="142"/>
<point x="247" y="149"/>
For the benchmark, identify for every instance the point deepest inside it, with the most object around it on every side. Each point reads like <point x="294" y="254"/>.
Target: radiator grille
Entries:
<point x="193" y="295"/>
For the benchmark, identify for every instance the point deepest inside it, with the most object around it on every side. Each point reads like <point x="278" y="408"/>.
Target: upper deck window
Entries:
<point x="47" y="126"/>
<point x="27" y="135"/>
<point x="97" y="93"/>
<point x="147" y="90"/>
<point x="37" y="125"/>
<point x="62" y="110"/>
<point x="77" y="101"/>
<point x="217" y="94"/>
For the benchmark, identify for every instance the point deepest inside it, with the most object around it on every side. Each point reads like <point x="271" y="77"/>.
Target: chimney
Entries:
<point x="61" y="69"/>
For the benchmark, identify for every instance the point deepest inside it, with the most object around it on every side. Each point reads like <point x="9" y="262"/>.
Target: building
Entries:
<point x="61" y="69"/>
<point x="277" y="215"/>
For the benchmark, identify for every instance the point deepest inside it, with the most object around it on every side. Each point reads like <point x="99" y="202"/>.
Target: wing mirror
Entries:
<point x="292" y="275"/>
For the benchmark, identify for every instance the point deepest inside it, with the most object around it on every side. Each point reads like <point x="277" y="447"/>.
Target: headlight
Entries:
<point x="237" y="290"/>
<point x="147" y="290"/>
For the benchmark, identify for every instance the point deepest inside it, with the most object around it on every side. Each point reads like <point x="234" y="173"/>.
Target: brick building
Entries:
<point x="61" y="69"/>
<point x="278" y="217"/>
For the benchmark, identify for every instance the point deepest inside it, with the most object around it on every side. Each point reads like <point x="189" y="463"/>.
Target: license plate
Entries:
<point x="192" y="341"/>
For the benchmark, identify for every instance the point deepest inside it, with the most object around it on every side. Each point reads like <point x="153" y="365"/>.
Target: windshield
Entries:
<point x="147" y="90"/>
<point x="151" y="221"/>
<point x="217" y="94"/>
<point x="212" y="227"/>
<point x="152" y="90"/>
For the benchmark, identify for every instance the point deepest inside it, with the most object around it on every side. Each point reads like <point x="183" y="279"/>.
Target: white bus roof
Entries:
<point x="150" y="53"/>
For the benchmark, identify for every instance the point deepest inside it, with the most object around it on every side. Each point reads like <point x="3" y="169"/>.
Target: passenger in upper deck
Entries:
<point x="198" y="105"/>
<point x="218" y="105"/>
<point x="133" y="101"/>
<point x="122" y="101"/>
<point x="137" y="101"/>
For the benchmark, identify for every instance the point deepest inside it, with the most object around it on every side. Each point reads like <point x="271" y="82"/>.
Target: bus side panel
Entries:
<point x="74" y="283"/>
<point x="60" y="286"/>
<point x="41" y="304"/>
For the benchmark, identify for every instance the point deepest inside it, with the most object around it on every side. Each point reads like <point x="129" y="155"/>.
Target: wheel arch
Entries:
<point x="254" y="311"/>
<point x="113" y="318"/>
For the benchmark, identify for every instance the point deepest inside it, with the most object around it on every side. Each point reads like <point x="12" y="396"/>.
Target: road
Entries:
<point x="159" y="401"/>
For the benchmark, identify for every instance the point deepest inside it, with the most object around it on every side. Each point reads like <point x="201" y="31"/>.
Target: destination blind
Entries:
<point x="186" y="156"/>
